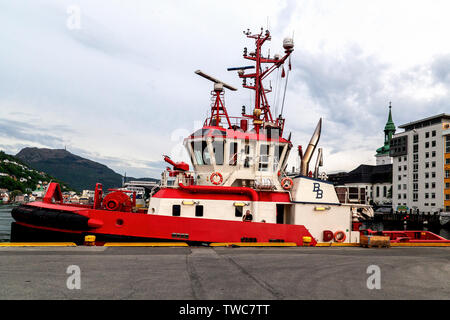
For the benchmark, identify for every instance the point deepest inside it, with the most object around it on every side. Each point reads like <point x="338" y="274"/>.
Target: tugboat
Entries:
<point x="238" y="191"/>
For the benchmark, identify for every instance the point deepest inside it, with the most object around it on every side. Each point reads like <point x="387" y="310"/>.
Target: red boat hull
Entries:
<point x="56" y="222"/>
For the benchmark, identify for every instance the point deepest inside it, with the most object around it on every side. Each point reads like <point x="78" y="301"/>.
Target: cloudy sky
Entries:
<point x="114" y="81"/>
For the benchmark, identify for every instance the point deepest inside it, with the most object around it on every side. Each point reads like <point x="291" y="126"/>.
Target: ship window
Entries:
<point x="218" y="147"/>
<point x="238" y="211"/>
<point x="176" y="210"/>
<point x="264" y="157"/>
<point x="247" y="155"/>
<point x="201" y="153"/>
<point x="233" y="153"/>
<point x="199" y="211"/>
<point x="278" y="150"/>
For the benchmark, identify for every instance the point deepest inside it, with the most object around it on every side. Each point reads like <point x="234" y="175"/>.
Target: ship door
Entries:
<point x="280" y="213"/>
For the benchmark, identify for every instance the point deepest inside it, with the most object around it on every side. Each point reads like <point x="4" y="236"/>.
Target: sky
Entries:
<point x="114" y="81"/>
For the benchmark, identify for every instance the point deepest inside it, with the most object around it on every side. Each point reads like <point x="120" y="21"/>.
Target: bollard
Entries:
<point x="89" y="240"/>
<point x="306" y="241"/>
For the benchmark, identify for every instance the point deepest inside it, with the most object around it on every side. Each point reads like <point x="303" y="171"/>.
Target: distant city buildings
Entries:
<point x="376" y="181"/>
<point x="421" y="165"/>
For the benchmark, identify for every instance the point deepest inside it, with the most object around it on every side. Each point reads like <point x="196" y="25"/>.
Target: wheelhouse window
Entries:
<point x="201" y="153"/>
<point x="218" y="149"/>
<point x="264" y="157"/>
<point x="277" y="152"/>
<point x="233" y="154"/>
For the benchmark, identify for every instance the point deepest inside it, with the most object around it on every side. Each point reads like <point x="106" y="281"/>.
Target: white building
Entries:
<point x="421" y="165"/>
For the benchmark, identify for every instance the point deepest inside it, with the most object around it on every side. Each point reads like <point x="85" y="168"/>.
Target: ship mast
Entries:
<point x="261" y="113"/>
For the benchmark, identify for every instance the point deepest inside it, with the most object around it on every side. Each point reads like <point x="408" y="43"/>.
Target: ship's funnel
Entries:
<point x="304" y="167"/>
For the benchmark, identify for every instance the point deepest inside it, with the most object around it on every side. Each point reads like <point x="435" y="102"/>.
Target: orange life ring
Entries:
<point x="287" y="183"/>
<point x="213" y="176"/>
<point x="337" y="233"/>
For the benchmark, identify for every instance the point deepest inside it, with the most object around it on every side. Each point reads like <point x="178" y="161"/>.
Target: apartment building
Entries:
<point x="421" y="165"/>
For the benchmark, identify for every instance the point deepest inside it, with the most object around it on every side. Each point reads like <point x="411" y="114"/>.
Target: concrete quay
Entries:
<point x="223" y="273"/>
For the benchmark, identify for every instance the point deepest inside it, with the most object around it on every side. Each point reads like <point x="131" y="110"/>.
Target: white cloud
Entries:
<point x="119" y="88"/>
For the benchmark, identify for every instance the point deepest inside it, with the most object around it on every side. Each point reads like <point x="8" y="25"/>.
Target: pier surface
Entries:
<point x="203" y="273"/>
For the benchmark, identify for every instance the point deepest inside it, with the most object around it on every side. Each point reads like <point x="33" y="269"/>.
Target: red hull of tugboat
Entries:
<point x="60" y="222"/>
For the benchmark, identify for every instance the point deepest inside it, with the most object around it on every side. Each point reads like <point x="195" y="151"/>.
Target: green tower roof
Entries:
<point x="390" y="126"/>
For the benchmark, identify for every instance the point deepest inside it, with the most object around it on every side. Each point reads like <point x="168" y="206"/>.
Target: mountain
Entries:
<point x="77" y="172"/>
<point x="16" y="175"/>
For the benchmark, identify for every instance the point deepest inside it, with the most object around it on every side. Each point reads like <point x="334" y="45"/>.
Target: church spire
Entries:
<point x="389" y="130"/>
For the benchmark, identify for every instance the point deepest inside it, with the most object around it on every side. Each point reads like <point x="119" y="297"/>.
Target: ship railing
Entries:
<point x="351" y="195"/>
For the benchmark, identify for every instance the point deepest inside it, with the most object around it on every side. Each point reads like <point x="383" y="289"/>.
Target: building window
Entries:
<point x="447" y="196"/>
<point x="427" y="195"/>
<point x="427" y="164"/>
<point x="426" y="204"/>
<point x="415" y="158"/>
<point x="433" y="154"/>
<point x="415" y="148"/>
<point x="433" y="143"/>
<point x="433" y="185"/>
<point x="404" y="196"/>
<point x="399" y="187"/>
<point x="384" y="191"/>
<point x="427" y="185"/>
<point x="427" y="154"/>
<point x="399" y="168"/>
<point x="404" y="158"/>
<point x="399" y="196"/>
<point x="404" y="168"/>
<point x="427" y="134"/>
<point x="378" y="191"/>
<point x="427" y="175"/>
<point x="415" y="186"/>
<point x="404" y="187"/>
<point x="415" y="167"/>
<point x="427" y="144"/>
<point x="433" y="164"/>
<point x="447" y="173"/>
<point x="447" y="161"/>
<point x="415" y="138"/>
<point x="199" y="211"/>
<point x="447" y="144"/>
<point x="433" y="133"/>
<point x="399" y="178"/>
<point x="433" y="174"/>
<point x="415" y="196"/>
<point x="447" y="185"/>
<point x="433" y="196"/>
<point x="433" y="204"/>
<point x="176" y="210"/>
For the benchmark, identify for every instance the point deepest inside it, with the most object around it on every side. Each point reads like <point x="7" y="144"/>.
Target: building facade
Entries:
<point x="421" y="165"/>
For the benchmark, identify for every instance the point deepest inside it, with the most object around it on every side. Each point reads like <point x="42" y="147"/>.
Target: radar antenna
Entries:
<point x="218" y="108"/>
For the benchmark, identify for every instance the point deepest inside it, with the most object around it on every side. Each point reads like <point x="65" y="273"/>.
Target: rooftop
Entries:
<point x="425" y="122"/>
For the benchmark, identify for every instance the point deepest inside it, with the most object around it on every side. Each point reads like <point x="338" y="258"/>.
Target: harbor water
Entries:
<point x="6" y="219"/>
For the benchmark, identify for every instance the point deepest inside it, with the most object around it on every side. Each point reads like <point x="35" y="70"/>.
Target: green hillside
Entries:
<point x="78" y="172"/>
<point x="13" y="170"/>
